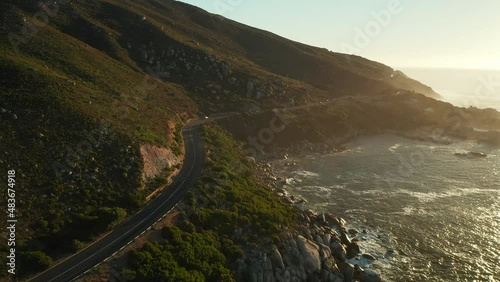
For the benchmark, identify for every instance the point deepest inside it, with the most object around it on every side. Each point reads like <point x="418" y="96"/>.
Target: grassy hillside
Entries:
<point x="83" y="84"/>
<point x="72" y="119"/>
<point x="224" y="64"/>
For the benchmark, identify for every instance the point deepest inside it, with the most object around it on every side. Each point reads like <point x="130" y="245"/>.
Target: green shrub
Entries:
<point x="206" y="244"/>
<point x="32" y="262"/>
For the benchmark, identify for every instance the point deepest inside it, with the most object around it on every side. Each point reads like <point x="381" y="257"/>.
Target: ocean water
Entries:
<point x="430" y="215"/>
<point x="462" y="87"/>
<point x="470" y="100"/>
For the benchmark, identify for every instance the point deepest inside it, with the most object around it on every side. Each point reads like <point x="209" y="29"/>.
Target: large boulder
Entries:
<point x="294" y="257"/>
<point x="348" y="270"/>
<point x="319" y="240"/>
<point x="335" y="278"/>
<point x="329" y="264"/>
<point x="344" y="238"/>
<point x="276" y="258"/>
<point x="331" y="219"/>
<point x="368" y="256"/>
<point x="256" y="273"/>
<point x="338" y="251"/>
<point x="269" y="276"/>
<point x="334" y="233"/>
<point x="324" y="275"/>
<point x="287" y="276"/>
<point x="310" y="252"/>
<point x="368" y="275"/>
<point x="327" y="238"/>
<point x="353" y="250"/>
<point x="268" y="270"/>
<point x="353" y="231"/>
<point x="322" y="219"/>
<point x="324" y="252"/>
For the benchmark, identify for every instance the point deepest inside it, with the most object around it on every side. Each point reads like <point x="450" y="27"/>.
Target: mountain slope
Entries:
<point x="333" y="72"/>
<point x="93" y="92"/>
<point x="219" y="59"/>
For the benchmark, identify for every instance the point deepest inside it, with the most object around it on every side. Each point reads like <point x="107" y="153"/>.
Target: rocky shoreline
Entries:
<point x="319" y="247"/>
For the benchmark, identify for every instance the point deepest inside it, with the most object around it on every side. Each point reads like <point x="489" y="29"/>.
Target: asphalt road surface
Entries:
<point x="124" y="233"/>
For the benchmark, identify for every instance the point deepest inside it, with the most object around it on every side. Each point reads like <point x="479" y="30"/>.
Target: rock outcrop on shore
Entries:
<point x="318" y="250"/>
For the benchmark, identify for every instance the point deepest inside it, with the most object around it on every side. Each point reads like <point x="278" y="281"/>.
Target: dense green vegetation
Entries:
<point x="75" y="176"/>
<point x="72" y="119"/>
<point x="184" y="256"/>
<point x="225" y="213"/>
<point x="231" y="196"/>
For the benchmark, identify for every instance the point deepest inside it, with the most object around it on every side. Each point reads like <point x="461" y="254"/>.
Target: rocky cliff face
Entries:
<point x="156" y="160"/>
<point x="226" y="85"/>
<point x="318" y="251"/>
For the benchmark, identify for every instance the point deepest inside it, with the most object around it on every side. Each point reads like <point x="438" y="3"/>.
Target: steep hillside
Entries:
<point x="94" y="94"/>
<point x="326" y="127"/>
<point x="224" y="64"/>
<point x="256" y="50"/>
<point x="72" y="122"/>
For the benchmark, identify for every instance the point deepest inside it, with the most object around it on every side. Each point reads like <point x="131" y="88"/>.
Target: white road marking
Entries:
<point x="119" y="238"/>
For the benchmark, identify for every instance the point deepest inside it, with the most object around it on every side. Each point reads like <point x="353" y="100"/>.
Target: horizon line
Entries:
<point x="447" y="68"/>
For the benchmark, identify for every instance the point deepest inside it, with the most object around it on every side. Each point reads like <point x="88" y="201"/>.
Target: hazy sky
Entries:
<point x="406" y="33"/>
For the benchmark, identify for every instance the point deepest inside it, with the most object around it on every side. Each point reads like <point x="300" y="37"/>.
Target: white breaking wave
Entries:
<point x="305" y="173"/>
<point x="395" y="147"/>
<point x="426" y="197"/>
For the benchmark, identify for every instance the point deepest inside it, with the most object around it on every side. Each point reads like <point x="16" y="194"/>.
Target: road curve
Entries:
<point x="87" y="258"/>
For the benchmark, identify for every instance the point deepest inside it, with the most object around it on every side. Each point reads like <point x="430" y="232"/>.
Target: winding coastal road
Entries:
<point x="134" y="226"/>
